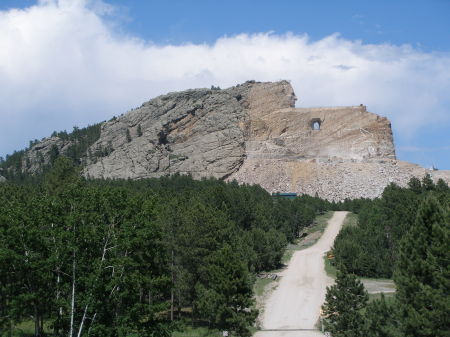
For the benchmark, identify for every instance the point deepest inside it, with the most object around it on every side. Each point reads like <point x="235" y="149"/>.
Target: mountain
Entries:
<point x="251" y="133"/>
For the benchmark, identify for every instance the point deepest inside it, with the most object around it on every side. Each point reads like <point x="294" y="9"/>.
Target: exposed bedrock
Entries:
<point x="200" y="132"/>
<point x="332" y="180"/>
<point x="251" y="133"/>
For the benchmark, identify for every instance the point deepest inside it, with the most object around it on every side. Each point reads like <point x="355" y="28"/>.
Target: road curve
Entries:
<point x="294" y="305"/>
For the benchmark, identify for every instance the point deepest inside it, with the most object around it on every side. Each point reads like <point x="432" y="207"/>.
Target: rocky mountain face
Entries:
<point x="251" y="133"/>
<point x="197" y="132"/>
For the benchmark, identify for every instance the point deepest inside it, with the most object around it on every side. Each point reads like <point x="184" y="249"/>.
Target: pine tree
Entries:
<point x="382" y="319"/>
<point x="441" y="186"/>
<point x="343" y="303"/>
<point x="423" y="274"/>
<point x="128" y="135"/>
<point x="225" y="296"/>
<point x="139" y="130"/>
<point x="63" y="173"/>
<point x="415" y="185"/>
<point x="54" y="153"/>
<point x="427" y="183"/>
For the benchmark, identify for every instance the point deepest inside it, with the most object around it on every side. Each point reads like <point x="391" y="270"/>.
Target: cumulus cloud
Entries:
<point x="65" y="63"/>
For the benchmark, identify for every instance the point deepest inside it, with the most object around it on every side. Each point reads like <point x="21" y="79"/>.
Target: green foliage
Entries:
<point x="81" y="140"/>
<point x="423" y="272"/>
<point x="225" y="293"/>
<point x="128" y="135"/>
<point x="62" y="174"/>
<point x="407" y="232"/>
<point x="133" y="254"/>
<point x="54" y="153"/>
<point x="343" y="306"/>
<point x="14" y="167"/>
<point x="95" y="246"/>
<point x="197" y="332"/>
<point x="370" y="249"/>
<point x="382" y="319"/>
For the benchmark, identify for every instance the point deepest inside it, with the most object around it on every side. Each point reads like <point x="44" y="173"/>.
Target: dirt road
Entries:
<point x="295" y="305"/>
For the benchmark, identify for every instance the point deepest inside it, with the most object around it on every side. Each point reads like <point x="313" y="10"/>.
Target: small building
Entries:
<point x="287" y="195"/>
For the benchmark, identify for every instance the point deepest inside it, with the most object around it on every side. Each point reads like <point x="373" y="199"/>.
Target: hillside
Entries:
<point x="251" y="133"/>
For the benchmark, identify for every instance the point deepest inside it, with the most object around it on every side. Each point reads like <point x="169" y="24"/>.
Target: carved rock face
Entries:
<point x="345" y="133"/>
<point x="211" y="132"/>
<point x="252" y="133"/>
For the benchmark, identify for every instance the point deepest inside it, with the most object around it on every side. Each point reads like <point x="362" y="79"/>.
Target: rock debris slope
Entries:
<point x="251" y="133"/>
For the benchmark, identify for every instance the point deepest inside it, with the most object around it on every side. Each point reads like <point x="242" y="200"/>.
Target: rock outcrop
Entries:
<point x="42" y="154"/>
<point x="251" y="133"/>
<point x="197" y="132"/>
<point x="2" y="178"/>
<point x="212" y="132"/>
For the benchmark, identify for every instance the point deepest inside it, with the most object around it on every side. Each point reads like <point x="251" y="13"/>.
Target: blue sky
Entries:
<point x="66" y="63"/>
<point x="424" y="24"/>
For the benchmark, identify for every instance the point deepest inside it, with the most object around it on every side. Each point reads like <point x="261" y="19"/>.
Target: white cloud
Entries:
<point x="62" y="63"/>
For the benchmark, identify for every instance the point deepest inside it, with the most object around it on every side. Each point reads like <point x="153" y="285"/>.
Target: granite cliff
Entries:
<point x="251" y="133"/>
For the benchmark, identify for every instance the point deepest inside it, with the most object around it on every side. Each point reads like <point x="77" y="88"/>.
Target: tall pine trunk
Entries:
<point x="72" y="310"/>
<point x="37" y="321"/>
<point x="171" y="290"/>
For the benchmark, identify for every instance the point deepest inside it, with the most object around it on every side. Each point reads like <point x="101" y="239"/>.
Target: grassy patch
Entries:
<point x="197" y="332"/>
<point x="329" y="268"/>
<point x="287" y="256"/>
<point x="351" y="220"/>
<point x="203" y="332"/>
<point x="308" y="241"/>
<point x="314" y="232"/>
<point x="26" y="329"/>
<point x="320" y="223"/>
<point x="253" y="330"/>
<point x="260" y="285"/>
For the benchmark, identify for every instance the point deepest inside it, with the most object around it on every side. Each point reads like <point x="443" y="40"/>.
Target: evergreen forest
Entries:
<point x="138" y="258"/>
<point x="14" y="167"/>
<point x="404" y="234"/>
<point x="371" y="249"/>
<point x="82" y="257"/>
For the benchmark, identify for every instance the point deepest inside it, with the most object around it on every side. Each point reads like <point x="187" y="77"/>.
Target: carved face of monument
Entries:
<point x="291" y="97"/>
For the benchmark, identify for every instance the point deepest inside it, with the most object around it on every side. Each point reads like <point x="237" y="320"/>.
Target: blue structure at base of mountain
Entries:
<point x="285" y="195"/>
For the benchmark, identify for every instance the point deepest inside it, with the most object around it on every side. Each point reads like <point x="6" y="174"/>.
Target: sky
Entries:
<point x="66" y="63"/>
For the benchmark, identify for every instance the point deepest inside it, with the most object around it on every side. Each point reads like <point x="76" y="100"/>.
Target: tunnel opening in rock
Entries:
<point x="315" y="124"/>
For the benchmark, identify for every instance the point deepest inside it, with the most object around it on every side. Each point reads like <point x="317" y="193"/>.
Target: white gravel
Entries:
<point x="295" y="304"/>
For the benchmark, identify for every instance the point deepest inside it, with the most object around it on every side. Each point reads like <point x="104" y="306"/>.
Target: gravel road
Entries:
<point x="295" y="304"/>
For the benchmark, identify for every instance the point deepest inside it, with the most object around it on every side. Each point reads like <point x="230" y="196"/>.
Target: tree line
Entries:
<point x="421" y="306"/>
<point x="371" y="248"/>
<point x="13" y="167"/>
<point x="138" y="258"/>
